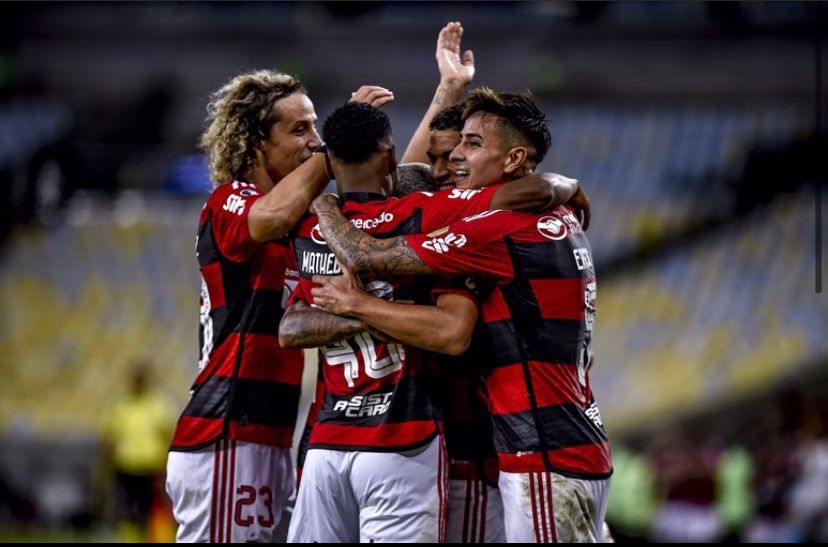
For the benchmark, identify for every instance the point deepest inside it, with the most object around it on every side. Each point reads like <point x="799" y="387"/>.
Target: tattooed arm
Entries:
<point x="446" y="327"/>
<point x="358" y="251"/>
<point x="539" y="192"/>
<point x="305" y="327"/>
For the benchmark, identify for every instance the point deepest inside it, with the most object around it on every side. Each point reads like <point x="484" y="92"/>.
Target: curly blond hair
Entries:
<point x="239" y="118"/>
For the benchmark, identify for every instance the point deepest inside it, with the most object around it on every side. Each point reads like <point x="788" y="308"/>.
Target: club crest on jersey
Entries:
<point x="552" y="228"/>
<point x="316" y="235"/>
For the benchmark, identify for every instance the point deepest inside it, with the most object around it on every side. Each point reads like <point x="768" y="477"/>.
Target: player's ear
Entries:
<point x="392" y="160"/>
<point x="515" y="159"/>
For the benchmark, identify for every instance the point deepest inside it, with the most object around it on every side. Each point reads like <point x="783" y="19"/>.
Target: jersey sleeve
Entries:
<point x="472" y="246"/>
<point x="230" y="209"/>
<point x="302" y="292"/>
<point x="453" y="204"/>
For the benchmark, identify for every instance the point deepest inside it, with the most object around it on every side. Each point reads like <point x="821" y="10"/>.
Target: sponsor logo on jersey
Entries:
<point x="572" y="223"/>
<point x="595" y="415"/>
<point x="552" y="228"/>
<point x="459" y="193"/>
<point x="247" y="189"/>
<point x="234" y="204"/>
<point x="371" y="223"/>
<point x="359" y="406"/>
<point x="442" y="245"/>
<point x="316" y="235"/>
<point x="239" y="184"/>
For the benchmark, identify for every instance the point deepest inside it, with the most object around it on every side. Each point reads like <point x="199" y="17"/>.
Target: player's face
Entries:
<point x="441" y="143"/>
<point x="480" y="158"/>
<point x="293" y="138"/>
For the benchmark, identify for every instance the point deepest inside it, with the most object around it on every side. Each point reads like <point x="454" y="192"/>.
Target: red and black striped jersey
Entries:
<point x="537" y="334"/>
<point x="378" y="396"/>
<point x="464" y="401"/>
<point x="248" y="385"/>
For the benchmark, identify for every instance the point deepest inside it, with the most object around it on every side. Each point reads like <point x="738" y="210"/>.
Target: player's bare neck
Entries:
<point x="357" y="179"/>
<point x="259" y="176"/>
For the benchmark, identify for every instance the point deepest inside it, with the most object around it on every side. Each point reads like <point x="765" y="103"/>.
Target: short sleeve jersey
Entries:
<point x="378" y="395"/>
<point x="537" y="334"/>
<point x="248" y="385"/>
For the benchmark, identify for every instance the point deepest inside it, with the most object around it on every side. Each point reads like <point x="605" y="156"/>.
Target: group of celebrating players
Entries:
<point x="453" y="316"/>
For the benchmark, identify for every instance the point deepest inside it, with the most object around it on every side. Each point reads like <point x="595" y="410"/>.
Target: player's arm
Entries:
<point x="446" y="327"/>
<point x="275" y="214"/>
<point x="303" y="326"/>
<point x="455" y="74"/>
<point x="358" y="251"/>
<point x="541" y="192"/>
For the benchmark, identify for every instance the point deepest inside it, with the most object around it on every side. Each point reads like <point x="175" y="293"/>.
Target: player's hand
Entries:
<point x="580" y="204"/>
<point x="337" y="294"/>
<point x="324" y="203"/>
<point x="374" y="95"/>
<point x="453" y="68"/>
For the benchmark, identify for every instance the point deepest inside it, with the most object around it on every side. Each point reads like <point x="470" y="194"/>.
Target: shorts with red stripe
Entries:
<point x="475" y="513"/>
<point x="546" y="507"/>
<point x="232" y="491"/>
<point x="372" y="497"/>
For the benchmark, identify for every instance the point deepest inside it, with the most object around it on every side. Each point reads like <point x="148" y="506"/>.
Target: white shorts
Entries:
<point x="545" y="507"/>
<point x="475" y="513"/>
<point x="231" y="492"/>
<point x="349" y="496"/>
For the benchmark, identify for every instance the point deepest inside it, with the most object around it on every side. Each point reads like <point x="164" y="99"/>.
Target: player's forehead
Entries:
<point x="443" y="140"/>
<point x="484" y="125"/>
<point x="295" y="108"/>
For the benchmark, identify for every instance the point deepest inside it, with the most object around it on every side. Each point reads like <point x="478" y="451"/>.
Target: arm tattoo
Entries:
<point x="362" y="253"/>
<point x="309" y="327"/>
<point x="439" y="96"/>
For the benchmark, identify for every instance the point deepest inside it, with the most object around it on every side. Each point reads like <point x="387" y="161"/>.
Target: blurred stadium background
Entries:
<point x="691" y="124"/>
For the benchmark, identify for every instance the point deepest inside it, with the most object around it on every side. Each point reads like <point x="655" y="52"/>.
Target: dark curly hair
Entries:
<point x="448" y="119"/>
<point x="354" y="131"/>
<point x="519" y="114"/>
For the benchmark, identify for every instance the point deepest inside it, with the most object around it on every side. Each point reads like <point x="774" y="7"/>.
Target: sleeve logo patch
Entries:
<point x="552" y="228"/>
<point x="442" y="245"/>
<point x="234" y="204"/>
